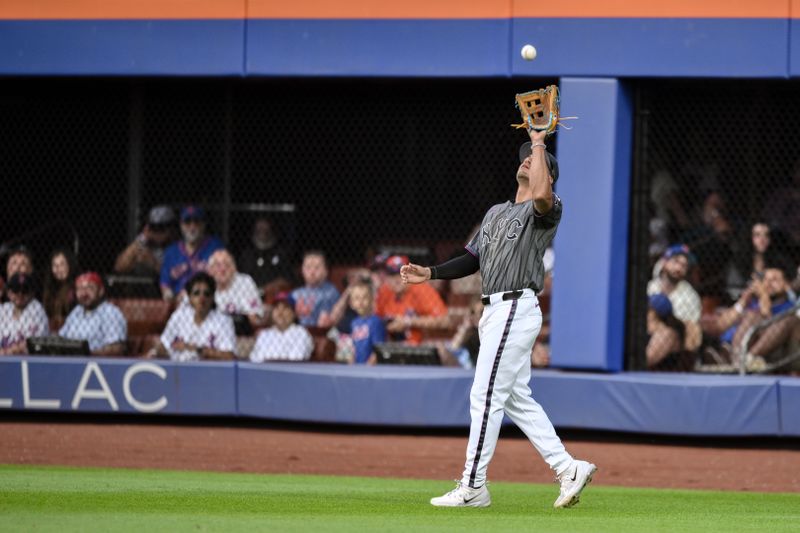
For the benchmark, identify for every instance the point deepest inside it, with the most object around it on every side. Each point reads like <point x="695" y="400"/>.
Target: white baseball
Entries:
<point x="528" y="52"/>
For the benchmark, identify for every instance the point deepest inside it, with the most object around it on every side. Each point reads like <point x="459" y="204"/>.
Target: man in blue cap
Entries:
<point x="686" y="304"/>
<point x="189" y="255"/>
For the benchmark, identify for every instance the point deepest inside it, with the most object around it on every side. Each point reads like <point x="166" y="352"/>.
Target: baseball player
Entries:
<point x="508" y="250"/>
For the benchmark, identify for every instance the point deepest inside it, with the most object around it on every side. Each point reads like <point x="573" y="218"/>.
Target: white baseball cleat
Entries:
<point x="573" y="481"/>
<point x="463" y="496"/>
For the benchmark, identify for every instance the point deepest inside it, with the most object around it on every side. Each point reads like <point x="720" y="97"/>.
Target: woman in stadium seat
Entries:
<point x="59" y="287"/>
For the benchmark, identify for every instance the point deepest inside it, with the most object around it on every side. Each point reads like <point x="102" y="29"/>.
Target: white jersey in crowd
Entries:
<point x="216" y="331"/>
<point x="240" y="298"/>
<point x="294" y="344"/>
<point x="101" y="326"/>
<point x="31" y="323"/>
<point x="686" y="305"/>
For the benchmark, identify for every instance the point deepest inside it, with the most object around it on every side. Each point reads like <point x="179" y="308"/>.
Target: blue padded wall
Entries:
<point x="588" y="307"/>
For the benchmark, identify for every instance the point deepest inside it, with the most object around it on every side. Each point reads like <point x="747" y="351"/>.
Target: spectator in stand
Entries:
<point x="408" y="308"/>
<point x="59" y="287"/>
<point x="463" y="348"/>
<point x="670" y="279"/>
<point x="96" y="320"/>
<point x="267" y="261"/>
<point x="712" y="242"/>
<point x="766" y="296"/>
<point x="540" y="353"/>
<point x="665" y="334"/>
<point x="19" y="260"/>
<point x="754" y="258"/>
<point x="236" y="293"/>
<point x="782" y="214"/>
<point x="668" y="208"/>
<point x="343" y="313"/>
<point x="285" y="340"/>
<point x="197" y="331"/>
<point x="315" y="300"/>
<point x="367" y="329"/>
<point x="185" y="258"/>
<point x="145" y="255"/>
<point x="22" y="317"/>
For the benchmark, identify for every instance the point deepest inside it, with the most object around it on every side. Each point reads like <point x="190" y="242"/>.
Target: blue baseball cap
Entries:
<point x="661" y="305"/>
<point x="192" y="212"/>
<point x="677" y="249"/>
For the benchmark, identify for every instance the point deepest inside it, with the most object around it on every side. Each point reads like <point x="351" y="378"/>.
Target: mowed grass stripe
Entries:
<point x="74" y="499"/>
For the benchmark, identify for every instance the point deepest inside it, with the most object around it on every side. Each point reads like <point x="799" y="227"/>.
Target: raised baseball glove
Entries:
<point x="539" y="109"/>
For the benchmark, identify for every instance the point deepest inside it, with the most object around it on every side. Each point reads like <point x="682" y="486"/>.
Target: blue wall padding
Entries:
<point x="436" y="48"/>
<point x="588" y="306"/>
<point x="634" y="47"/>
<point x="794" y="50"/>
<point x="191" y="389"/>
<point x="122" y="47"/>
<point x="610" y="47"/>
<point x="675" y="404"/>
<point x="405" y="396"/>
<point x="790" y="406"/>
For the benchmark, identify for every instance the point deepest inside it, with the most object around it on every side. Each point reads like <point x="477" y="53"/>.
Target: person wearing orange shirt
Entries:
<point x="408" y="309"/>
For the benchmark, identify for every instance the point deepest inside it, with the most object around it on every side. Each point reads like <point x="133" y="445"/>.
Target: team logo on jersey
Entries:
<point x="501" y="227"/>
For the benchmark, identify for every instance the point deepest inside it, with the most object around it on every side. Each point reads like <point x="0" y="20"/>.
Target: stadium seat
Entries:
<point x="144" y="316"/>
<point x="324" y="348"/>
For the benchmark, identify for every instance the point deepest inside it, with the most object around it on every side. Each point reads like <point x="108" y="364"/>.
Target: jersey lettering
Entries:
<point x="500" y="227"/>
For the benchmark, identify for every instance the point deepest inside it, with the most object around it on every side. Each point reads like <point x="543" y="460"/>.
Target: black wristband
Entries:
<point x="433" y="272"/>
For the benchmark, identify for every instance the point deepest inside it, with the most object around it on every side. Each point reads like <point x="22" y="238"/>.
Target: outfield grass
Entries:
<point x="90" y="499"/>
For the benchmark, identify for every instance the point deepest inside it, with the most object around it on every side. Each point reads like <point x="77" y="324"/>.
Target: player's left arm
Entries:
<point x="463" y="265"/>
<point x="539" y="179"/>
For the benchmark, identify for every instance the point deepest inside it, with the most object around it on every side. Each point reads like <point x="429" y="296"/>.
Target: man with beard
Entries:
<point x="144" y="256"/>
<point x="686" y="305"/>
<point x="766" y="296"/>
<point x="96" y="320"/>
<point x="22" y="317"/>
<point x="267" y="261"/>
<point x="188" y="256"/>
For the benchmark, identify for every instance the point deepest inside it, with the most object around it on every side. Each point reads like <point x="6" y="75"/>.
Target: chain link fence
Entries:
<point x="120" y="194"/>
<point x="716" y="227"/>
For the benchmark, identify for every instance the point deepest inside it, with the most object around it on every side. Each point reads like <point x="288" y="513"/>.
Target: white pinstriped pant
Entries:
<point x="508" y="329"/>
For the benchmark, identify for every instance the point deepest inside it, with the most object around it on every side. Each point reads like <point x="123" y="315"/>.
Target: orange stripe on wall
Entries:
<point x="450" y="9"/>
<point x="121" y="9"/>
<point x="653" y="9"/>
<point x="376" y="9"/>
<point x="402" y="9"/>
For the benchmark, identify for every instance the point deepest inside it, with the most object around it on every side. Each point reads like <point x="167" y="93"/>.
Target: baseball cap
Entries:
<point x="677" y="249"/>
<point x="21" y="283"/>
<point x="661" y="305"/>
<point x="552" y="162"/>
<point x="161" y="215"/>
<point x="379" y="261"/>
<point x="394" y="263"/>
<point x="90" y="277"/>
<point x="192" y="212"/>
<point x="284" y="297"/>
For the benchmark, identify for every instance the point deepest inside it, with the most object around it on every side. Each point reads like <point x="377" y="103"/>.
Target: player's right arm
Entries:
<point x="539" y="180"/>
